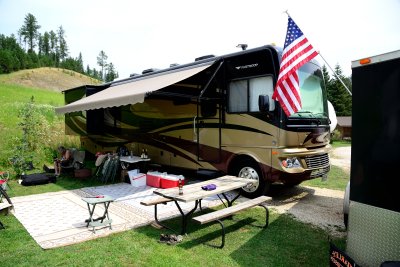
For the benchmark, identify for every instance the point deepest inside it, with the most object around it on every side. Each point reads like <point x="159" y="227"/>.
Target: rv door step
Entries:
<point x="207" y="174"/>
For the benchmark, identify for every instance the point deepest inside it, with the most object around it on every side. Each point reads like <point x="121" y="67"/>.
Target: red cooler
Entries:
<point x="170" y="180"/>
<point x="153" y="178"/>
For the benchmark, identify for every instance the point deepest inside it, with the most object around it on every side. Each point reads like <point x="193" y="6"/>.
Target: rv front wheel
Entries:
<point x="249" y="169"/>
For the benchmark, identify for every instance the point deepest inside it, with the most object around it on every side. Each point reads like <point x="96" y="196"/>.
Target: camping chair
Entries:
<point x="7" y="205"/>
<point x="77" y="162"/>
<point x="4" y="176"/>
<point x="108" y="169"/>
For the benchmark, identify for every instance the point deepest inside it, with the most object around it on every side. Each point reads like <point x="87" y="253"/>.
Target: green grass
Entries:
<point x="286" y="242"/>
<point x="337" y="179"/>
<point x="340" y="143"/>
<point x="12" y="99"/>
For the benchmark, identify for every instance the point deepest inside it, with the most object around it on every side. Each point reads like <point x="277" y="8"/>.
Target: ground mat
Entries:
<point x="57" y="219"/>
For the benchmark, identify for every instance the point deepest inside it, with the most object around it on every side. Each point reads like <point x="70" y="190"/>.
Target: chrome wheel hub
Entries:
<point x="249" y="173"/>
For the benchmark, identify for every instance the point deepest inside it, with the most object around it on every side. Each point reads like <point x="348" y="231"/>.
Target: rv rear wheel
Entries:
<point x="249" y="169"/>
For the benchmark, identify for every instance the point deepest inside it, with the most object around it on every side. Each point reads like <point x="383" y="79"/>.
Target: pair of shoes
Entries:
<point x="170" y="239"/>
<point x="164" y="238"/>
<point x="174" y="239"/>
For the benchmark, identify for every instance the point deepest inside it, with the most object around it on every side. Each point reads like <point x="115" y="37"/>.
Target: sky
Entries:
<point x="138" y="35"/>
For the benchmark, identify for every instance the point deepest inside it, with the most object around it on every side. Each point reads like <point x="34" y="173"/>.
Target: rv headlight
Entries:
<point x="291" y="163"/>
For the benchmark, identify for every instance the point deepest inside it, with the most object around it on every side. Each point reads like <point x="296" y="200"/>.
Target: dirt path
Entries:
<point x="341" y="157"/>
<point x="320" y="207"/>
<point x="317" y="206"/>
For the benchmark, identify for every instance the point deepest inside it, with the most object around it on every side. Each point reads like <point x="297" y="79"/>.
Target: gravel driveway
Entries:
<point x="320" y="207"/>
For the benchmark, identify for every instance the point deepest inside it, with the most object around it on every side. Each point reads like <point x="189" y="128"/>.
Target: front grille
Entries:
<point x="317" y="161"/>
<point x="320" y="172"/>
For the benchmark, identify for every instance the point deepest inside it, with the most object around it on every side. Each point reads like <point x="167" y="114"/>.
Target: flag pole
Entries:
<point x="337" y="76"/>
<point x="334" y="73"/>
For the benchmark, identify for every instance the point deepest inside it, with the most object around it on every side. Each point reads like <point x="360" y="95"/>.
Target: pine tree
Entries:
<point x="80" y="64"/>
<point x="111" y="73"/>
<point x="53" y="47"/>
<point x="88" y="71"/>
<point x="338" y="95"/>
<point x="46" y="43"/>
<point x="102" y="62"/>
<point x="29" y="31"/>
<point x="12" y="56"/>
<point x="62" y="44"/>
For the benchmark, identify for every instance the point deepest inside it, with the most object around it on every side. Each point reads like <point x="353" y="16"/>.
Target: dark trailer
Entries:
<point x="374" y="215"/>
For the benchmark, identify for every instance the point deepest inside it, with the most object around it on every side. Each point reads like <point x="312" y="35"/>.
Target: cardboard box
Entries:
<point x="153" y="178"/>
<point x="137" y="179"/>
<point x="171" y="180"/>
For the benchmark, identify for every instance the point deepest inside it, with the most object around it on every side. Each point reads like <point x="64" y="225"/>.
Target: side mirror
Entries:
<point x="263" y="103"/>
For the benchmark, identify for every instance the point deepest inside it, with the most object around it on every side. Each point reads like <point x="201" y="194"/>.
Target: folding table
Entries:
<point x="100" y="221"/>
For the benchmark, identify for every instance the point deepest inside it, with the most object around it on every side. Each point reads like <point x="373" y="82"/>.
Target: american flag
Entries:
<point x="296" y="52"/>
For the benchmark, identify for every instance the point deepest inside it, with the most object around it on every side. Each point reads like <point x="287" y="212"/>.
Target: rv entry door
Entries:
<point x="208" y="128"/>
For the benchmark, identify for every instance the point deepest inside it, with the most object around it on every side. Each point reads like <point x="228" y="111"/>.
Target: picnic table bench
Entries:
<point x="226" y="212"/>
<point x="155" y="201"/>
<point x="7" y="206"/>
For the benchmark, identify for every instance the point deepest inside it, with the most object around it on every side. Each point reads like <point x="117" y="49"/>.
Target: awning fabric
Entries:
<point x="132" y="92"/>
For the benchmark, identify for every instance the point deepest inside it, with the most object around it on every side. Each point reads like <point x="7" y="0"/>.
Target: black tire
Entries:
<point x="249" y="169"/>
<point x="291" y="184"/>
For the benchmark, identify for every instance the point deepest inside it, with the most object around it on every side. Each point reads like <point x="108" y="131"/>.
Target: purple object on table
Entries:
<point x="209" y="187"/>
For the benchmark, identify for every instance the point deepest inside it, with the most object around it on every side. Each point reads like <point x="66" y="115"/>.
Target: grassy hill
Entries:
<point x="45" y="85"/>
<point x="47" y="78"/>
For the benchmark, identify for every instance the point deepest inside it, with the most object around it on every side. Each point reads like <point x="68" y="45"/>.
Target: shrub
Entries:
<point x="336" y="135"/>
<point x="40" y="133"/>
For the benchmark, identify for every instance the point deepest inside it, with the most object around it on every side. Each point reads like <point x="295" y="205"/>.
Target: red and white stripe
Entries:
<point x="287" y="90"/>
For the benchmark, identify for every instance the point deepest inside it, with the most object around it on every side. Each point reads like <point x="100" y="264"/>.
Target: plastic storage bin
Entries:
<point x="137" y="179"/>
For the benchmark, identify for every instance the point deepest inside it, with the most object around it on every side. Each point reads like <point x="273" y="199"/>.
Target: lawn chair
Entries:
<point x="108" y="169"/>
<point x="5" y="205"/>
<point x="77" y="163"/>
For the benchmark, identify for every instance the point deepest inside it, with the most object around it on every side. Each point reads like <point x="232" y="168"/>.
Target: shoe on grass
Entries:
<point x="164" y="238"/>
<point x="174" y="239"/>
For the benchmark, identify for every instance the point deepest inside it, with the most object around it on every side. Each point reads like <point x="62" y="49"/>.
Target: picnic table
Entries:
<point x="194" y="192"/>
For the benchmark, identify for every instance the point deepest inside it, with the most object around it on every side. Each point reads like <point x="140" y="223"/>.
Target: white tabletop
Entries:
<point x="195" y="192"/>
<point x="132" y="159"/>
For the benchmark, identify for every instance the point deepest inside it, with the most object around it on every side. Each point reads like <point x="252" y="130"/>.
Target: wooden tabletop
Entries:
<point x="195" y="192"/>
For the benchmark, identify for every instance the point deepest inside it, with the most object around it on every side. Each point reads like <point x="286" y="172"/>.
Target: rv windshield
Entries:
<point x="312" y="91"/>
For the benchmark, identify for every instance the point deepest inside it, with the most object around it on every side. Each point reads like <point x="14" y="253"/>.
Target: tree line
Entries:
<point x="50" y="49"/>
<point x="34" y="49"/>
<point x="336" y="92"/>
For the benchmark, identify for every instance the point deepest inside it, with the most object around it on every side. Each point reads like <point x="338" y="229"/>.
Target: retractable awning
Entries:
<point x="134" y="91"/>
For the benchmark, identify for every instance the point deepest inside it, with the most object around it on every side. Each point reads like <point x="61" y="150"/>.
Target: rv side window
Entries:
<point x="243" y="94"/>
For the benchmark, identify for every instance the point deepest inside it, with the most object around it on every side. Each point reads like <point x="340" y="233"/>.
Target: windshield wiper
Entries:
<point x="303" y="112"/>
<point x="321" y="114"/>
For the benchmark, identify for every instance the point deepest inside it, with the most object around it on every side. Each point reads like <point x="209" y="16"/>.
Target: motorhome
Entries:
<point x="215" y="114"/>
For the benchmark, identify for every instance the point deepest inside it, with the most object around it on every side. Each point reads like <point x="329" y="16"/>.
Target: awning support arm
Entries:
<point x="210" y="80"/>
